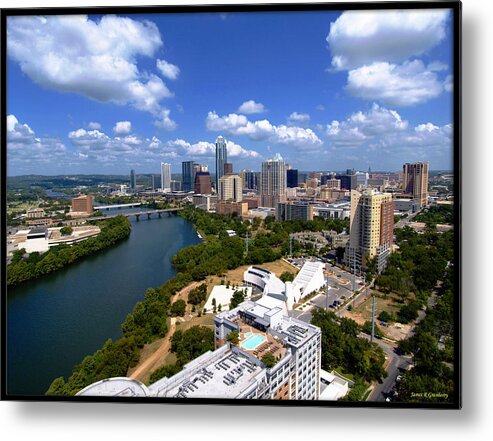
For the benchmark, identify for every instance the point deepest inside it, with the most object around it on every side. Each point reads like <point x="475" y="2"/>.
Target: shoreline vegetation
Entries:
<point x="215" y="255"/>
<point x="36" y="265"/>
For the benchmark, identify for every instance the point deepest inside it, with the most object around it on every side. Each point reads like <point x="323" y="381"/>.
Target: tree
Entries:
<point x="178" y="308"/>
<point x="287" y="276"/>
<point x="237" y="298"/>
<point x="197" y="295"/>
<point x="66" y="231"/>
<point x="269" y="360"/>
<point x="233" y="337"/>
<point x="377" y="331"/>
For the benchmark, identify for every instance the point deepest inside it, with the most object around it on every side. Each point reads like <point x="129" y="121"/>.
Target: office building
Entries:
<point x="250" y="179"/>
<point x="230" y="188"/>
<point x="371" y="229"/>
<point x="292" y="178"/>
<point x="188" y="176"/>
<point x="221" y="158"/>
<point x="294" y="210"/>
<point x="175" y="185"/>
<point x="336" y="210"/>
<point x="231" y="207"/>
<point x="202" y="183"/>
<point x="133" y="180"/>
<point x="415" y="181"/>
<point x="205" y="202"/>
<point x="83" y="204"/>
<point x="165" y="176"/>
<point x="35" y="213"/>
<point x="348" y="180"/>
<point x="228" y="168"/>
<point x="273" y="182"/>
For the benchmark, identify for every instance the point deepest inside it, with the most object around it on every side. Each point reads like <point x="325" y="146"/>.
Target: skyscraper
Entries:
<point x="202" y="183"/>
<point x="371" y="228"/>
<point x="221" y="158"/>
<point x="165" y="176"/>
<point x="250" y="179"/>
<point x="187" y="175"/>
<point x="292" y="178"/>
<point x="415" y="181"/>
<point x="133" y="180"/>
<point x="273" y="182"/>
<point x="230" y="188"/>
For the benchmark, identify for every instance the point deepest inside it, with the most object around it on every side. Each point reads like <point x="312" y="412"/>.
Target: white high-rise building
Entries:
<point x="273" y="182"/>
<point x="165" y="176"/>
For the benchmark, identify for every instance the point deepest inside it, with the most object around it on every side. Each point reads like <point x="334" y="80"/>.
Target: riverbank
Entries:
<point x="23" y="269"/>
<point x="55" y="321"/>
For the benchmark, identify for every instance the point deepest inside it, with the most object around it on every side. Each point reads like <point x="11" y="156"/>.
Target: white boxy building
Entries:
<point x="240" y="371"/>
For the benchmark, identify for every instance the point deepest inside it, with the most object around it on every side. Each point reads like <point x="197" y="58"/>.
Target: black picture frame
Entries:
<point x="455" y="8"/>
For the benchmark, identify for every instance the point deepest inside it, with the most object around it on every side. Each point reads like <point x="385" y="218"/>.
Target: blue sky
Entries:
<point x="328" y="90"/>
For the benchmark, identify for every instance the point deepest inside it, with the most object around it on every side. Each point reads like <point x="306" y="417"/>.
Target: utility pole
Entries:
<point x="327" y="293"/>
<point x="372" y="319"/>
<point x="291" y="245"/>
<point x="246" y="243"/>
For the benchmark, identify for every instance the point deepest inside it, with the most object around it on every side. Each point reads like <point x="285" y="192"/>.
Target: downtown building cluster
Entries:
<point x="369" y="200"/>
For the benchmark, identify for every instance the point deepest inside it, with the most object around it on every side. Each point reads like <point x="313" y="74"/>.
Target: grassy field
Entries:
<point x="235" y="277"/>
<point x="362" y="313"/>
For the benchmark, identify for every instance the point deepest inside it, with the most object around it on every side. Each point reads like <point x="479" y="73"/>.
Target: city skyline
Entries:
<point x="157" y="98"/>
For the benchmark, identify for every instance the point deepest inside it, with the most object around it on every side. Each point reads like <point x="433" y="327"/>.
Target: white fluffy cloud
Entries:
<point x="26" y="151"/>
<point x="262" y="130"/>
<point x="98" y="58"/>
<point x="298" y="118"/>
<point x="168" y="70"/>
<point x="204" y="148"/>
<point x="384" y="131"/>
<point x="122" y="128"/>
<point x="165" y="122"/>
<point x="94" y="125"/>
<point x="378" y="49"/>
<point x="359" y="38"/>
<point x="407" y="84"/>
<point x="250" y="107"/>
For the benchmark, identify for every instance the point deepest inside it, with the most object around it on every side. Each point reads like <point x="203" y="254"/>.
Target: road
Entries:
<point x="396" y="363"/>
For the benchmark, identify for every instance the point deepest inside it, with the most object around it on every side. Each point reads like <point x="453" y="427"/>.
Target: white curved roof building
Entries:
<point x="309" y="279"/>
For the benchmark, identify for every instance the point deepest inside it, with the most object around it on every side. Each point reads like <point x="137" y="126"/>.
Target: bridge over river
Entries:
<point x="138" y="214"/>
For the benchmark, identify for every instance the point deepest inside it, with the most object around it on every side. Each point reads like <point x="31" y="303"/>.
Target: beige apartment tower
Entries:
<point x="371" y="228"/>
<point x="273" y="182"/>
<point x="415" y="181"/>
<point x="230" y="188"/>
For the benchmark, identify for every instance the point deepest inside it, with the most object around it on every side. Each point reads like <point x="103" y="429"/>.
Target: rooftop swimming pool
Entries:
<point x="252" y="341"/>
